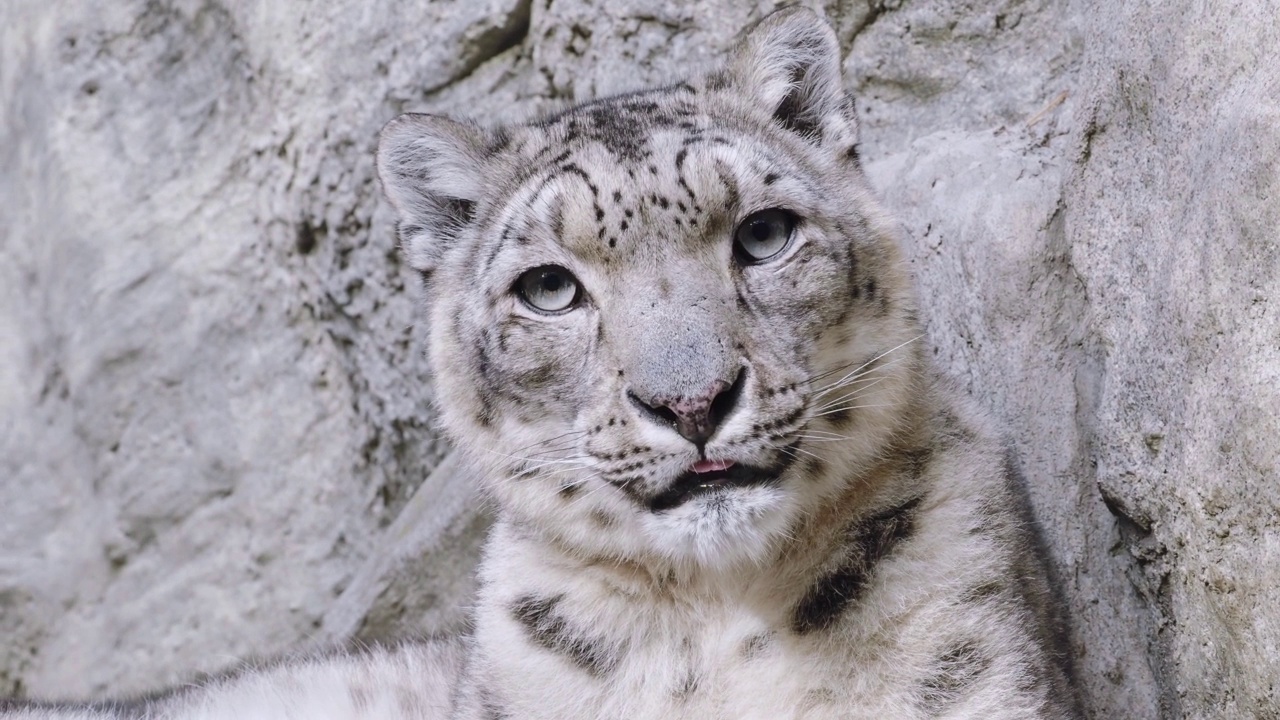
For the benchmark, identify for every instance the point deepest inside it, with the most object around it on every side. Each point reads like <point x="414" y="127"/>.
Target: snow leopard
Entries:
<point x="675" y="333"/>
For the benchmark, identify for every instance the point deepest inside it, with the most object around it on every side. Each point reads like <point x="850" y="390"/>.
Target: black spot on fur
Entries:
<point x="814" y="467"/>
<point x="954" y="431"/>
<point x="602" y="519"/>
<point x="854" y="153"/>
<point x="573" y="169"/>
<point x="630" y="486"/>
<point x="953" y="674"/>
<point x="499" y="140"/>
<point x="840" y="418"/>
<point x="550" y="631"/>
<point x="792" y="115"/>
<point x="985" y="591"/>
<point x="868" y="542"/>
<point x="918" y="461"/>
<point x="853" y="275"/>
<point x="461" y="210"/>
<point x="491" y="709"/>
<point x="687" y="687"/>
<point x="756" y="645"/>
<point x="771" y="178"/>
<point x="622" y="124"/>
<point x="816" y="698"/>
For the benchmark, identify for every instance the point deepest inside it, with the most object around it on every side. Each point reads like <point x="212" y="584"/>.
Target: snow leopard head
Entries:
<point x="668" y="324"/>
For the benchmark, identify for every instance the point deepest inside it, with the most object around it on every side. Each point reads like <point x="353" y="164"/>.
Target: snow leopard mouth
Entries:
<point x="709" y="477"/>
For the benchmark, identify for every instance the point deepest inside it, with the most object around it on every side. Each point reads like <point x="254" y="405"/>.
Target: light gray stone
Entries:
<point x="214" y="414"/>
<point x="417" y="582"/>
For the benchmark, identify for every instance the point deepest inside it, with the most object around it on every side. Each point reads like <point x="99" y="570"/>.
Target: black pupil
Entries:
<point x="761" y="230"/>
<point x="551" y="282"/>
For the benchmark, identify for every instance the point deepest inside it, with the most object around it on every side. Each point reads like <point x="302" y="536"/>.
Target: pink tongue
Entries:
<point x="707" y="466"/>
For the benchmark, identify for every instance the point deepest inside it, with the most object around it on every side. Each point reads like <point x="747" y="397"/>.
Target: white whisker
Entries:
<point x="852" y="407"/>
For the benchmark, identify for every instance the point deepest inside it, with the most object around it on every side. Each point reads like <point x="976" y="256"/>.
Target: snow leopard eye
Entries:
<point x="763" y="235"/>
<point x="548" y="289"/>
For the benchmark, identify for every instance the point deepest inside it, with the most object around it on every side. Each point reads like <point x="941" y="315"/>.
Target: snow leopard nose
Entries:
<point x="695" y="418"/>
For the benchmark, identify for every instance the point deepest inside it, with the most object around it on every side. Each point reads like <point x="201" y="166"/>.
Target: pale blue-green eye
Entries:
<point x="763" y="235"/>
<point x="549" y="288"/>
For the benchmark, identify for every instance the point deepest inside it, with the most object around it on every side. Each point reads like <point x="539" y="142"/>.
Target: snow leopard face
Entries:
<point x="651" y="314"/>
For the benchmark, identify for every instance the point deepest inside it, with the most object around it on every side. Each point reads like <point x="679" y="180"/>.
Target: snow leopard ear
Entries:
<point x="432" y="171"/>
<point x="790" y="63"/>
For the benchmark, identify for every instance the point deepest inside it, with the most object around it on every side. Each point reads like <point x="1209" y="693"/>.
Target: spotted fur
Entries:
<point x="860" y="547"/>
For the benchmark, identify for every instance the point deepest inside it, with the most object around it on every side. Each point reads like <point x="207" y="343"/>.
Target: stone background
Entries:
<point x="215" y="436"/>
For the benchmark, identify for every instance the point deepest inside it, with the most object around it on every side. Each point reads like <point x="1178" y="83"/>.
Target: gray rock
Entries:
<point x="417" y="582"/>
<point x="214" y="412"/>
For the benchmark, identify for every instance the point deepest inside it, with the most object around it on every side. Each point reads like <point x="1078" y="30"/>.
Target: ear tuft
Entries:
<point x="790" y="62"/>
<point x="432" y="171"/>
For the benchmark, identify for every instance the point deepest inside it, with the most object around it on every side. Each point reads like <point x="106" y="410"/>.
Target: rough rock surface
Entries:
<point x="214" y="415"/>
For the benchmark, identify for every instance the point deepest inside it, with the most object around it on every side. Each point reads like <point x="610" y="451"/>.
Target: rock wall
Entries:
<point x="215" y="431"/>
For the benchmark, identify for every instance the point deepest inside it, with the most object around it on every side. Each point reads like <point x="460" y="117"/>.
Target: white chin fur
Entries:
<point x="722" y="530"/>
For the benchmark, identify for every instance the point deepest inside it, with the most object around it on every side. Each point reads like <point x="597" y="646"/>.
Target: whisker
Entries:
<point x="792" y="450"/>
<point x="855" y="376"/>
<point x="868" y="362"/>
<point x="856" y="379"/>
<point x="828" y="433"/>
<point x="540" y="473"/>
<point x="572" y="460"/>
<point x="517" y="458"/>
<point x="573" y="433"/>
<point x="851" y="395"/>
<point x="852" y="407"/>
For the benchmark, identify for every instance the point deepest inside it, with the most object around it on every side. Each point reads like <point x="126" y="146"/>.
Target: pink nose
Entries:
<point x="695" y="418"/>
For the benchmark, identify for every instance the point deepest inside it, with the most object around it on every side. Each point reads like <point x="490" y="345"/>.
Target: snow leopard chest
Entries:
<point x="732" y="664"/>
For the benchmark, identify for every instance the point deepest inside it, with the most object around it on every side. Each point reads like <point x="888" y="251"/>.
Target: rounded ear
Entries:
<point x="790" y="63"/>
<point x="432" y="170"/>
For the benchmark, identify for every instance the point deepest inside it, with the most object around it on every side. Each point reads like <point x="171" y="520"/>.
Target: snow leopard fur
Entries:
<point x="675" y="331"/>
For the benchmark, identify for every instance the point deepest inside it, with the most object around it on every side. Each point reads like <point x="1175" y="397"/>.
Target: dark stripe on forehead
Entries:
<point x="521" y="225"/>
<point x="733" y="196"/>
<point x="498" y="244"/>
<point x="557" y="218"/>
<point x="684" y="185"/>
<point x="574" y="169"/>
